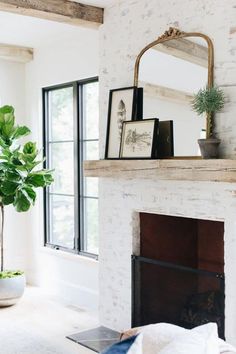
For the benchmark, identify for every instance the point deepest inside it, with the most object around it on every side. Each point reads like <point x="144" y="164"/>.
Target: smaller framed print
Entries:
<point x="122" y="107"/>
<point x="139" y="139"/>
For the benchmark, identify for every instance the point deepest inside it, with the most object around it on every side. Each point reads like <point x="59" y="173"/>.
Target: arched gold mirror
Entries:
<point x="171" y="70"/>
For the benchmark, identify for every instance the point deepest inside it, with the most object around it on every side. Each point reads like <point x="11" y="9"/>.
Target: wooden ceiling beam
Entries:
<point x="16" y="53"/>
<point x="185" y="49"/>
<point x="66" y="11"/>
<point x="166" y="93"/>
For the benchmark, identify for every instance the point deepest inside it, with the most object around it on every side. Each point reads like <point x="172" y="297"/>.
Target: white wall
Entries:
<point x="129" y="26"/>
<point x="12" y="92"/>
<point x="71" y="56"/>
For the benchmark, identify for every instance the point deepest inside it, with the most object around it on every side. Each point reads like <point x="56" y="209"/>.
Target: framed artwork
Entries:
<point x="139" y="115"/>
<point x="165" y="145"/>
<point x="122" y="107"/>
<point x="139" y="139"/>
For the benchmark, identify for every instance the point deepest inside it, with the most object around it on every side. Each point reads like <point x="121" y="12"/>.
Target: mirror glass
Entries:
<point x="170" y="74"/>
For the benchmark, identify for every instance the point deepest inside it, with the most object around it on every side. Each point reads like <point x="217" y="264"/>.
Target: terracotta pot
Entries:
<point x="209" y="148"/>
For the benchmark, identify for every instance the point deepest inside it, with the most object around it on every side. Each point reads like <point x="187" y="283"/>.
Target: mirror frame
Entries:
<point x="175" y="33"/>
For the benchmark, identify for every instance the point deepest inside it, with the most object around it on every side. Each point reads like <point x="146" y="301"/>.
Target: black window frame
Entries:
<point x="78" y="139"/>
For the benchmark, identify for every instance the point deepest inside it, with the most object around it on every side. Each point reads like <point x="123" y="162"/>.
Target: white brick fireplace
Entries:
<point x="120" y="236"/>
<point x="128" y="27"/>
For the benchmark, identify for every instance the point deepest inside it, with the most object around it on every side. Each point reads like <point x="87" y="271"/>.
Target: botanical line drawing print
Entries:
<point x="136" y="141"/>
<point x="121" y="116"/>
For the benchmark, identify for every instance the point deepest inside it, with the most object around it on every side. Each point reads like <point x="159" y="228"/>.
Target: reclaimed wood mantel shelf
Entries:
<point x="220" y="170"/>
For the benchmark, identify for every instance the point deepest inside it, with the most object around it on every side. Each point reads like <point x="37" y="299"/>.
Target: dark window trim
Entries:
<point x="78" y="168"/>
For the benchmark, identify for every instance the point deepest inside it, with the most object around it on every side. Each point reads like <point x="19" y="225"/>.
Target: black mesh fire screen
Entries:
<point x="164" y="292"/>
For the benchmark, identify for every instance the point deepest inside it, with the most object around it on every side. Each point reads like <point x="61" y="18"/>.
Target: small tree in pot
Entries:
<point x="18" y="179"/>
<point x="209" y="100"/>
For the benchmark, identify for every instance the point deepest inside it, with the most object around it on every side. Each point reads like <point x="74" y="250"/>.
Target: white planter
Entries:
<point x="11" y="290"/>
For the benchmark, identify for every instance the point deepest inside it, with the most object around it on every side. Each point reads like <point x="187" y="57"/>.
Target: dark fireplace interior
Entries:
<point x="179" y="276"/>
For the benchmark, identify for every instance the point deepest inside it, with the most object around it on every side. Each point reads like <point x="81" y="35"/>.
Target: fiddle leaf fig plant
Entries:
<point x="20" y="171"/>
<point x="208" y="100"/>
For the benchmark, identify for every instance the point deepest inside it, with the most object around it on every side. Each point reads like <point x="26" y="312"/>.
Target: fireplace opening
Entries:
<point x="179" y="275"/>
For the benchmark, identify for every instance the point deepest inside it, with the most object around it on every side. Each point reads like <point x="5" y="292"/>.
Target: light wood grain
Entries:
<point x="56" y="10"/>
<point x="185" y="49"/>
<point x="232" y="30"/>
<point x="16" y="53"/>
<point x="174" y="169"/>
<point x="166" y="93"/>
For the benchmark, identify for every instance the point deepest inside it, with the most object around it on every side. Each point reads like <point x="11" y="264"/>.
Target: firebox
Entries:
<point x="178" y="277"/>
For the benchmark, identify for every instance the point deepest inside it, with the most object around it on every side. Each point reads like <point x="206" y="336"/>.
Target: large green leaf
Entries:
<point x="3" y="111"/>
<point x="20" y="132"/>
<point x="6" y="152"/>
<point x="21" y="202"/>
<point x="13" y="176"/>
<point x="5" y="165"/>
<point x="36" y="180"/>
<point x="16" y="161"/>
<point x="6" y="109"/>
<point x="48" y="178"/>
<point x="5" y="158"/>
<point x="9" y="187"/>
<point x="31" y="193"/>
<point x="30" y="148"/>
<point x="3" y="143"/>
<point x="9" y="118"/>
<point x="31" y="165"/>
<point x="8" y="199"/>
<point x="8" y="125"/>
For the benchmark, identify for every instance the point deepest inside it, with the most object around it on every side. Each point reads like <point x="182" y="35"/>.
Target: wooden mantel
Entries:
<point x="220" y="170"/>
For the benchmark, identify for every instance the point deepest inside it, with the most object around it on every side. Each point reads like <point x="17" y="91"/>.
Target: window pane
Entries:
<point x="91" y="150"/>
<point x="90" y="110"/>
<point x="62" y="161"/>
<point x="91" y="187"/>
<point x="61" y="114"/>
<point x="62" y="213"/>
<point x="91" y="225"/>
<point x="62" y="221"/>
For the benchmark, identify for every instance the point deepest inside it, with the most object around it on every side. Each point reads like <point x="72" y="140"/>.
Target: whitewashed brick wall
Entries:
<point x="128" y="27"/>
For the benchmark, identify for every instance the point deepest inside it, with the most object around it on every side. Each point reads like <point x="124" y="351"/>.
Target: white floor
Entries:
<point x="37" y="324"/>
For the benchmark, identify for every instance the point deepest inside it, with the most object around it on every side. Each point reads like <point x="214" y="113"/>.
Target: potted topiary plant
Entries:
<point x="18" y="180"/>
<point x="209" y="100"/>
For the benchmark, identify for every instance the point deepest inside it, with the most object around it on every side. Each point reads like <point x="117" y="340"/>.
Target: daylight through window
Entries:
<point x="71" y="136"/>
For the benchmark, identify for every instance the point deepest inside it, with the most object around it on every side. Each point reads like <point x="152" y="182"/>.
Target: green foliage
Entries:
<point x="208" y="100"/>
<point x="18" y="177"/>
<point x="10" y="274"/>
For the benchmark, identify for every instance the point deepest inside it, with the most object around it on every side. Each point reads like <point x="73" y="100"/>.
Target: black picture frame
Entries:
<point x="155" y="122"/>
<point x="165" y="145"/>
<point x="135" y="111"/>
<point x="139" y="114"/>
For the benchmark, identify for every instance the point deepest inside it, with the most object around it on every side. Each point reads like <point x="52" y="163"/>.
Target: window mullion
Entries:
<point x="82" y="239"/>
<point x="76" y="166"/>
<point x="45" y="164"/>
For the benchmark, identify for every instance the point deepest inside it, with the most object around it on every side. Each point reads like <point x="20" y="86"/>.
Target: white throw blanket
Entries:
<point x="164" y="338"/>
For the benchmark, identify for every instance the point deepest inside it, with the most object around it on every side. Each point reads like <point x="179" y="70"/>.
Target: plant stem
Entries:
<point x="209" y="128"/>
<point x="1" y="236"/>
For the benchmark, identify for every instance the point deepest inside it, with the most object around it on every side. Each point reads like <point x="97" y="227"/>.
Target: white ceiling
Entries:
<point x="34" y="32"/>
